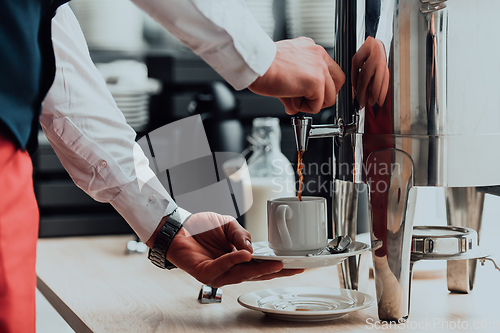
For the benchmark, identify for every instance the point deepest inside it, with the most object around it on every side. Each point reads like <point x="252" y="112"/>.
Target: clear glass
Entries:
<point x="271" y="174"/>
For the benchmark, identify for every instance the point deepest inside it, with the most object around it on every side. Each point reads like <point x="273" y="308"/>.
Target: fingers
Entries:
<point x="376" y="85"/>
<point x="358" y="60"/>
<point x="289" y="109"/>
<point x="312" y="104"/>
<point x="335" y="73"/>
<point x="225" y="263"/>
<point x="385" y="88"/>
<point x="247" y="271"/>
<point x="323" y="91"/>
<point x="330" y="93"/>
<point x="221" y="255"/>
<point x="304" y="77"/>
<point x="370" y="75"/>
<point x="366" y="74"/>
<point x="334" y="79"/>
<point x="294" y="105"/>
<point x="237" y="235"/>
<point x="297" y="103"/>
<point x="378" y="77"/>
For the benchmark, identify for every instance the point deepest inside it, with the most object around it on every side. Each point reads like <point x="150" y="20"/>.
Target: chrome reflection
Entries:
<point x="392" y="203"/>
<point x="464" y="208"/>
<point x="394" y="55"/>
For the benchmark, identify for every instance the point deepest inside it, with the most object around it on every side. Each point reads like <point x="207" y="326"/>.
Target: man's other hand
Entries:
<point x="303" y="76"/>
<point x="217" y="251"/>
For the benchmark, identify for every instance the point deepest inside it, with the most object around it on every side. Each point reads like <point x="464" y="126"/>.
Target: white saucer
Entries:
<point x="305" y="303"/>
<point x="262" y="251"/>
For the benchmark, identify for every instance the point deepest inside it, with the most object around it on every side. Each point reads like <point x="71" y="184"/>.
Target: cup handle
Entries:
<point x="283" y="212"/>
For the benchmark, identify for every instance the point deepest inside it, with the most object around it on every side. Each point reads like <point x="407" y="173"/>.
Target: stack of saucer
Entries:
<point x="311" y="18"/>
<point x="134" y="105"/>
<point x="110" y="24"/>
<point x="262" y="10"/>
<point x="131" y="89"/>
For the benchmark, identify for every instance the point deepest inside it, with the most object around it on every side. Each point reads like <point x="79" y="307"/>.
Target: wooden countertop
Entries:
<point x="97" y="288"/>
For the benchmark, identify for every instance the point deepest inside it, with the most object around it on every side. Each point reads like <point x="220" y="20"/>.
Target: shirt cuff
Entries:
<point x="143" y="208"/>
<point x="223" y="33"/>
<point x="248" y="52"/>
<point x="236" y="70"/>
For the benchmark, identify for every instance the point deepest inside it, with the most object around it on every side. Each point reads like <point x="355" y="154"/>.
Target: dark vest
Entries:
<point x="27" y="66"/>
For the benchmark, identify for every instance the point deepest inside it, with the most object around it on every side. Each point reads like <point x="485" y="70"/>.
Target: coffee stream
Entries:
<point x="300" y="168"/>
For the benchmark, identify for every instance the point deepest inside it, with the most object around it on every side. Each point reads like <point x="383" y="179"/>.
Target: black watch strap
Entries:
<point x="158" y="253"/>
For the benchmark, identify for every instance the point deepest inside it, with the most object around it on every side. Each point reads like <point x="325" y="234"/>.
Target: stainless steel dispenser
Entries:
<point x="401" y="137"/>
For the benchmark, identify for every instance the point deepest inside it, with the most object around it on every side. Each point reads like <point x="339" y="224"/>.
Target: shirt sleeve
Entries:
<point x="91" y="138"/>
<point x="222" y="32"/>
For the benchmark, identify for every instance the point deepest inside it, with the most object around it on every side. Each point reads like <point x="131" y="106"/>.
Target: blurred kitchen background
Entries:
<point x="155" y="80"/>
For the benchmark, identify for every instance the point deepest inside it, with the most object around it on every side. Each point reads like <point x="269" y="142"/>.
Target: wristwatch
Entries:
<point x="158" y="253"/>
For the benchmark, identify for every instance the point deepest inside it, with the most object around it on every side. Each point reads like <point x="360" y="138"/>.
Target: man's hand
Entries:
<point x="217" y="251"/>
<point x="303" y="76"/>
<point x="370" y="74"/>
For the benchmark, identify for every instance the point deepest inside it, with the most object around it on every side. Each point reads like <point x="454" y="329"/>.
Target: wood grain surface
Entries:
<point x="96" y="287"/>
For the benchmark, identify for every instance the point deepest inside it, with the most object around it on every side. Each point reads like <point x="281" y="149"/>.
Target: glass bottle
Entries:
<point x="271" y="174"/>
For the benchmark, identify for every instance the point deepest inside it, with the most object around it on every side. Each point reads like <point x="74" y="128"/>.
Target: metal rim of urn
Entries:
<point x="442" y="241"/>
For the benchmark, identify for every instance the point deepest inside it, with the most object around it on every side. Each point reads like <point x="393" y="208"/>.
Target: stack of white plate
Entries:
<point x="134" y="105"/>
<point x="131" y="89"/>
<point x="110" y="24"/>
<point x="311" y="18"/>
<point x="262" y="10"/>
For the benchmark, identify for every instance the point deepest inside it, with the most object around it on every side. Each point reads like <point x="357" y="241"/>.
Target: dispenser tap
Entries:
<point x="304" y="130"/>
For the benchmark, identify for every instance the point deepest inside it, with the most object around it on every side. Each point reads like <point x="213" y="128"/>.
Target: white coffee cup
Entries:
<point x="297" y="228"/>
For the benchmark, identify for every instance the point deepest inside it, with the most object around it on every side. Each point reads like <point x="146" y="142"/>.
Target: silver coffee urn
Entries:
<point x="410" y="137"/>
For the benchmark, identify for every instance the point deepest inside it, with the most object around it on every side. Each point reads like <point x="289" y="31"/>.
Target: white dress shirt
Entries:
<point x="89" y="133"/>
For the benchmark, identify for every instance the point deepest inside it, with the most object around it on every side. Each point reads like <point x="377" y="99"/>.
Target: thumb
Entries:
<point x="237" y="235"/>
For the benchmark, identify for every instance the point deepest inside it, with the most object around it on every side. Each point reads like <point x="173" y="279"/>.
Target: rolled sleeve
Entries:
<point x="91" y="138"/>
<point x="223" y="33"/>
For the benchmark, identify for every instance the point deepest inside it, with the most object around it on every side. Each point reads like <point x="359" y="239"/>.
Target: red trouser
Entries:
<point x="18" y="237"/>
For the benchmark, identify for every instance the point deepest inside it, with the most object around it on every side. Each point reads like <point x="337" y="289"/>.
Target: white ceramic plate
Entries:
<point x="132" y="111"/>
<point x="132" y="103"/>
<point x="305" y="303"/>
<point x="136" y="97"/>
<point x="261" y="251"/>
<point x="137" y="120"/>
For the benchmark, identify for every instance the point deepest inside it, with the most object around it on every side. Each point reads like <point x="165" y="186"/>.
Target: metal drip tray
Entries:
<point x="444" y="242"/>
